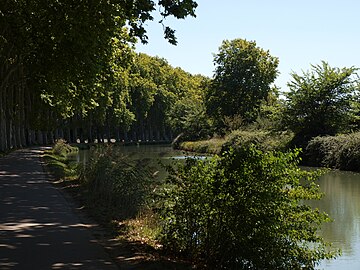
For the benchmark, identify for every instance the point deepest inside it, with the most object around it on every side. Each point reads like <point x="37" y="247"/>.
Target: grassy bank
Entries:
<point x="59" y="162"/>
<point x="264" y="140"/>
<point x="337" y="152"/>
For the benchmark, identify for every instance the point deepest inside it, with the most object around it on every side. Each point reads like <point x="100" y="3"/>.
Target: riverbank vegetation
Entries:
<point x="59" y="160"/>
<point x="242" y="211"/>
<point x="338" y="152"/>
<point x="69" y="70"/>
<point x="238" y="210"/>
<point x="263" y="139"/>
<point x="115" y="185"/>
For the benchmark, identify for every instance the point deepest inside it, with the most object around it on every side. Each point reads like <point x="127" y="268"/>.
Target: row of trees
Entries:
<point x="142" y="104"/>
<point x="68" y="69"/>
<point x="57" y="60"/>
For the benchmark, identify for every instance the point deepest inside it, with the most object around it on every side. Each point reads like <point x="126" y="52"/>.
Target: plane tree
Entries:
<point x="55" y="54"/>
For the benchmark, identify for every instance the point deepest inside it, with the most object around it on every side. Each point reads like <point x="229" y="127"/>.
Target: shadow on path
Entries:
<point x="38" y="228"/>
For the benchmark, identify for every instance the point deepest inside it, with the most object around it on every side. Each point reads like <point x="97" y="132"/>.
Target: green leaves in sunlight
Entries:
<point x="244" y="210"/>
<point x="242" y="79"/>
<point x="321" y="101"/>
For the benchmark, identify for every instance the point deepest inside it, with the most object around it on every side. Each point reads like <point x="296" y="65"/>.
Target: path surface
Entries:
<point x="38" y="228"/>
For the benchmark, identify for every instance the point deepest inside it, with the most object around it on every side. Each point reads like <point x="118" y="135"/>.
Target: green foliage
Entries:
<point x="62" y="149"/>
<point x="320" y="102"/>
<point x="163" y="96"/>
<point x="115" y="182"/>
<point x="264" y="140"/>
<point x="188" y="116"/>
<point x="339" y="152"/>
<point x="270" y="112"/>
<point x="211" y="146"/>
<point x="244" y="210"/>
<point x="62" y="53"/>
<point x="243" y="75"/>
<point x="60" y="162"/>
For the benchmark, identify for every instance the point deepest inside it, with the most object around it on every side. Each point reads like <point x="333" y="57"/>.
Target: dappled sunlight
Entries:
<point x="78" y="265"/>
<point x="7" y="246"/>
<point x="8" y="174"/>
<point x="7" y="265"/>
<point x="38" y="226"/>
<point x="25" y="225"/>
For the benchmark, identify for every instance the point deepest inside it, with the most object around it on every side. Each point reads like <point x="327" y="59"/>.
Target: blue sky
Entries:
<point x="299" y="33"/>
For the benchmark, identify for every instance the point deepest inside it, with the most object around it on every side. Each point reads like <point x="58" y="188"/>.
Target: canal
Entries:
<point x="341" y="202"/>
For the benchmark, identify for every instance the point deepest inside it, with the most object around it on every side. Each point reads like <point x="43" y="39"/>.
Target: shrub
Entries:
<point x="62" y="148"/>
<point x="212" y="146"/>
<point x="340" y="152"/>
<point x="264" y="140"/>
<point x="119" y="184"/>
<point x="242" y="211"/>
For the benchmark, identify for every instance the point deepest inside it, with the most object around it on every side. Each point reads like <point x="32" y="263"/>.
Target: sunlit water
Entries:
<point x="341" y="202"/>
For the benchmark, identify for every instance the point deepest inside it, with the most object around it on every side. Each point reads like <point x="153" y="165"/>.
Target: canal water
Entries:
<point x="341" y="202"/>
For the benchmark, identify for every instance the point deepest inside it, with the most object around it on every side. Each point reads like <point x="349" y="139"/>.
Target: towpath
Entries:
<point x="39" y="228"/>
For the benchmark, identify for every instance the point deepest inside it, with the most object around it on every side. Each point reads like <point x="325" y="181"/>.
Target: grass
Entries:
<point x="131" y="242"/>
<point x="265" y="140"/>
<point x="211" y="146"/>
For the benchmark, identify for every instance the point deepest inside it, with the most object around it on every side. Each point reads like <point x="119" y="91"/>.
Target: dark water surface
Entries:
<point x="341" y="202"/>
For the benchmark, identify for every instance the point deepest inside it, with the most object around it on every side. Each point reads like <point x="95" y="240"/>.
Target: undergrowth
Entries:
<point x="339" y="152"/>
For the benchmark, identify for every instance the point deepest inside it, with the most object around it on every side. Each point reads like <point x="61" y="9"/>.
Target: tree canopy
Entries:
<point x="321" y="101"/>
<point x="65" y="45"/>
<point x="242" y="80"/>
<point x="57" y="58"/>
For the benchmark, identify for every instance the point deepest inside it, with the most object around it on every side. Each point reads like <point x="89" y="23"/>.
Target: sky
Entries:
<point x="300" y="33"/>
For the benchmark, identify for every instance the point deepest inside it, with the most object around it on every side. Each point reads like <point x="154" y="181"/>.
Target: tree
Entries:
<point x="320" y="102"/>
<point x="187" y="116"/>
<point x="243" y="75"/>
<point x="58" y="53"/>
<point x="244" y="210"/>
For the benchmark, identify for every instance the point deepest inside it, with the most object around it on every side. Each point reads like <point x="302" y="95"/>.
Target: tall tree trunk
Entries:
<point x="3" y="135"/>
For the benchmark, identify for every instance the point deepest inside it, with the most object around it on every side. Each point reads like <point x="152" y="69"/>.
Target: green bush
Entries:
<point x="264" y="140"/>
<point x="340" y="152"/>
<point x="62" y="148"/>
<point x="243" y="210"/>
<point x="115" y="182"/>
<point x="212" y="146"/>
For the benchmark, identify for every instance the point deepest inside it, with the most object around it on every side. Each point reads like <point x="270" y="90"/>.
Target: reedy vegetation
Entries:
<point x="243" y="209"/>
<point x="115" y="185"/>
<point x="338" y="152"/>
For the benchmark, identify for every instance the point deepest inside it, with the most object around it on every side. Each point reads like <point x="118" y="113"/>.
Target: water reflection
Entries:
<point x="342" y="203"/>
<point x="153" y="156"/>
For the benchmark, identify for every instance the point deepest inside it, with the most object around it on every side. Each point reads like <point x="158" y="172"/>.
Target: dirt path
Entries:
<point x="38" y="227"/>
